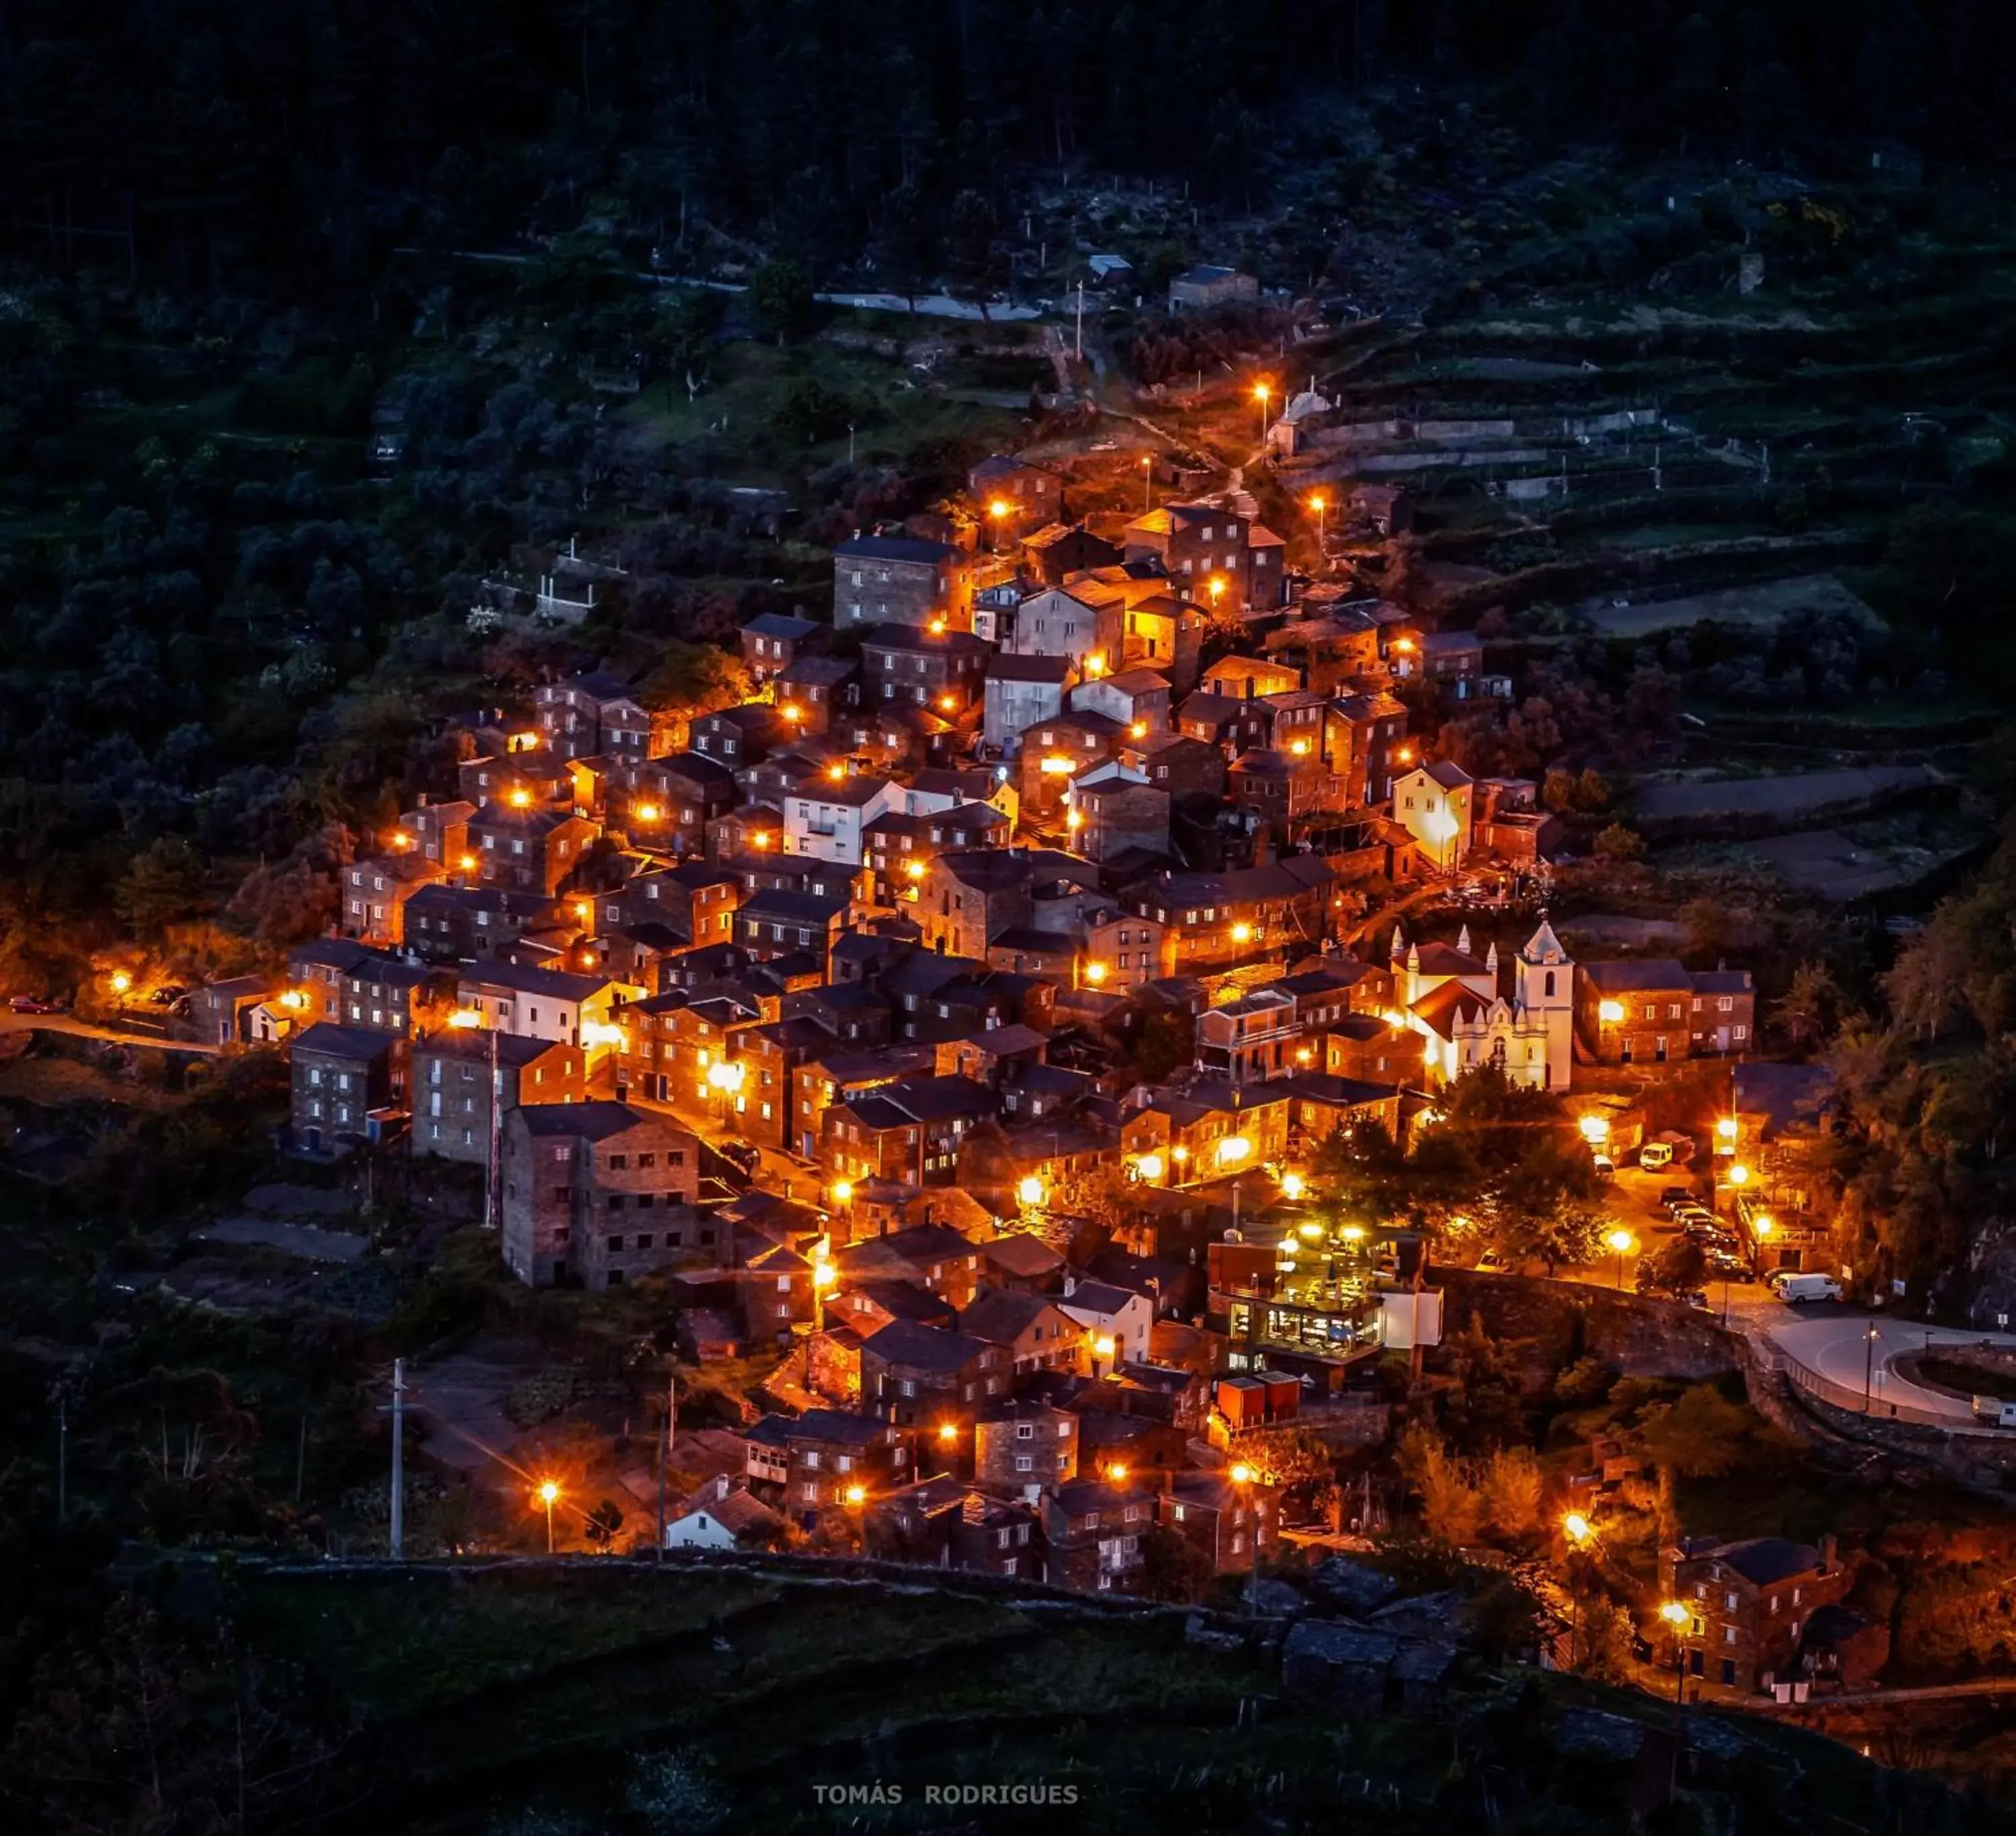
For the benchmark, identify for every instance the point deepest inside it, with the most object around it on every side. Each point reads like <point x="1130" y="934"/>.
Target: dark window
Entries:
<point x="676" y="1159"/>
<point x="616" y="1243"/>
<point x="616" y="1278"/>
<point x="651" y="1159"/>
<point x="562" y="1194"/>
<point x="616" y="1202"/>
<point x="618" y="1162"/>
<point x="644" y="1242"/>
<point x="1729" y="1671"/>
<point x="646" y="1200"/>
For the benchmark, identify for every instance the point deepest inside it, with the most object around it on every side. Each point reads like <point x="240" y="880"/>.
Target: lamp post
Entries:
<point x="1577" y="1529"/>
<point x="549" y="1495"/>
<point x="1676" y="1615"/>
<point x="1263" y="394"/>
<point x="1869" y="1364"/>
<point x="1147" y="482"/>
<point x="1622" y="1242"/>
<point x="1242" y="1477"/>
<point x="824" y="1276"/>
<point x="1319" y="504"/>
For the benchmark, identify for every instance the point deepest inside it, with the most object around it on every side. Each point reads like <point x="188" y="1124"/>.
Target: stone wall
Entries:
<point x="1558" y="1321"/>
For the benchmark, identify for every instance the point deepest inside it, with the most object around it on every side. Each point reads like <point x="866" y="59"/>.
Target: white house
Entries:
<point x="1433" y="804"/>
<point x="718" y="1515"/>
<point x="1021" y="691"/>
<point x="824" y="817"/>
<point x="1055" y="623"/>
<point x="529" y="1003"/>
<point x="1108" y="1312"/>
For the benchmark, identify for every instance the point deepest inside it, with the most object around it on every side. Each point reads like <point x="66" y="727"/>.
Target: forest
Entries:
<point x="209" y="143"/>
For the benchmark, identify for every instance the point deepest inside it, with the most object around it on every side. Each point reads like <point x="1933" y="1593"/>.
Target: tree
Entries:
<point x="1700" y="1437"/>
<point x="1805" y="1012"/>
<point x="1616" y="843"/>
<point x="1452" y="1510"/>
<point x="1511" y="1490"/>
<point x="1172" y="1567"/>
<point x="162" y="886"/>
<point x="781" y="299"/>
<point x="1679" y="1267"/>
<point x="1165" y="1042"/>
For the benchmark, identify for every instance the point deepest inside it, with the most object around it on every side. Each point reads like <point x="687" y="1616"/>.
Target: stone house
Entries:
<point x="339" y="1074"/>
<point x="463" y="1075"/>
<point x="898" y="580"/>
<point x="595" y="1192"/>
<point x="1751" y="1602"/>
<point x="1025" y="1446"/>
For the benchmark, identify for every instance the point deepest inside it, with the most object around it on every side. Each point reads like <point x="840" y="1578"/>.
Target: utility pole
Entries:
<point x="490" y="1159"/>
<point x="63" y="1455"/>
<point x="665" y="1454"/>
<point x="1080" y="340"/>
<point x="397" y="1541"/>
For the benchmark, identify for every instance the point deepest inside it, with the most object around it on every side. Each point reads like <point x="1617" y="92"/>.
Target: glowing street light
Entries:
<point x="948" y="1433"/>
<point x="1233" y="1150"/>
<point x="1263" y="394"/>
<point x="1148" y="480"/>
<point x="1139" y="730"/>
<point x="1103" y="1346"/>
<point x="519" y="797"/>
<point x="463" y="1019"/>
<point x="1095" y="973"/>
<point x="1030" y="1191"/>
<point x="724" y="1077"/>
<point x="1292" y="1186"/>
<point x="1726" y="1128"/>
<point x="467" y="863"/>
<point x="1577" y="1528"/>
<point x="1610" y="1012"/>
<point x="1217" y="588"/>
<point x="1595" y="1130"/>
<point x="1242" y="933"/>
<point x="937" y="627"/>
<point x="857" y="1495"/>
<point x="1312" y="1230"/>
<point x="1738" y="1175"/>
<point x="1242" y="1474"/>
<point x="1353" y="1233"/>
<point x="836" y="771"/>
<point x="294" y="1000"/>
<point x="121" y="981"/>
<point x="1095" y="665"/>
<point x="1149" y="1166"/>
<point x="843" y="1191"/>
<point x="1318" y="503"/>
<point x="1623" y="1243"/>
<point x="948" y="703"/>
<point x="793" y="712"/>
<point x="549" y="1495"/>
<point x="914" y="869"/>
<point x="649" y="812"/>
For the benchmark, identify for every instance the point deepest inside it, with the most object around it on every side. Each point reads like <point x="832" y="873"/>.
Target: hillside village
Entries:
<point x="957" y="1024"/>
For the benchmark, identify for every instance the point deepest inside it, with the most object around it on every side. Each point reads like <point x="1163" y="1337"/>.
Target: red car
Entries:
<point x="33" y="1004"/>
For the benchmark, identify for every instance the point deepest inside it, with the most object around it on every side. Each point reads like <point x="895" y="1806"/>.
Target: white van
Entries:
<point x="1997" y="1411"/>
<point x="1655" y="1154"/>
<point x="1790" y="1286"/>
<point x="1605" y="1167"/>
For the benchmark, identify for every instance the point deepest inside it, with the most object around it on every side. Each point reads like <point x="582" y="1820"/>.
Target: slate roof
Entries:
<point x="897" y="548"/>
<point x="924" y="1347"/>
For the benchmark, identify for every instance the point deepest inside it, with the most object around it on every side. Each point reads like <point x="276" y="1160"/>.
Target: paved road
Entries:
<point x="1832" y="1343"/>
<point x="84" y="1029"/>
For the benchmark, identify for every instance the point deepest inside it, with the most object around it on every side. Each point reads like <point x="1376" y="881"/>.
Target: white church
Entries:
<point x="1453" y="1000"/>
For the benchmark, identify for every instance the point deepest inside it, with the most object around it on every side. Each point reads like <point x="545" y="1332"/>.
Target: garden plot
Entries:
<point x="1765" y="602"/>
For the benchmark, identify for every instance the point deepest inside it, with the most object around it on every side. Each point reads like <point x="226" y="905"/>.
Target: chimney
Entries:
<point x="1827" y="1554"/>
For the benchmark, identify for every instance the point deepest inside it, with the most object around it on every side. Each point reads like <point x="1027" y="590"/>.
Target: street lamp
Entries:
<point x="1677" y="1615"/>
<point x="1293" y="1186"/>
<point x="1317" y="503"/>
<point x="1233" y="1150"/>
<point x="1577" y="1528"/>
<point x="1030" y="1191"/>
<point x="1242" y="1476"/>
<point x="857" y="1495"/>
<point x="1869" y="1364"/>
<point x="1595" y="1130"/>
<point x="1263" y="394"/>
<point x="1623" y="1243"/>
<point x="1147" y="481"/>
<point x="549" y="1495"/>
<point x="843" y="1191"/>
<point x="824" y="1276"/>
<point x="998" y="510"/>
<point x="1095" y="973"/>
<point x="1738" y="1175"/>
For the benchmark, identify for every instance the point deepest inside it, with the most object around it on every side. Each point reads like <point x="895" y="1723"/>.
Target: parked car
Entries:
<point x="1605" y="1167"/>
<point x="167" y="995"/>
<point x="35" y="1004"/>
<point x="1490" y="1262"/>
<point x="1674" y="1196"/>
